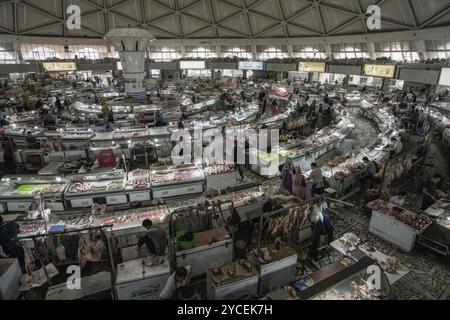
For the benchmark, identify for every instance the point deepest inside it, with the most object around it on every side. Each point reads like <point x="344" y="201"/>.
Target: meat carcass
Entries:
<point x="29" y="260"/>
<point x="60" y="251"/>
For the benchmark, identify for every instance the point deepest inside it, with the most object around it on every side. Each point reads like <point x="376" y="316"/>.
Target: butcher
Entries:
<point x="9" y="241"/>
<point x="177" y="280"/>
<point x="155" y="239"/>
<point x="369" y="172"/>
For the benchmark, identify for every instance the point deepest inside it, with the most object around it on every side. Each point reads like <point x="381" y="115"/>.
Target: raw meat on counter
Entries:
<point x="139" y="183"/>
<point x="418" y="222"/>
<point x="131" y="134"/>
<point x="157" y="216"/>
<point x="211" y="193"/>
<point x="138" y="172"/>
<point x="32" y="228"/>
<point x="78" y="223"/>
<point x="219" y="168"/>
<point x="389" y="265"/>
<point x="81" y="187"/>
<point x="177" y="176"/>
<point x="413" y="220"/>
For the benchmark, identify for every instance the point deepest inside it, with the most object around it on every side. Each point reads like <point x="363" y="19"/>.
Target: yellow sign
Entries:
<point x="378" y="70"/>
<point x="59" y="66"/>
<point x="311" y="66"/>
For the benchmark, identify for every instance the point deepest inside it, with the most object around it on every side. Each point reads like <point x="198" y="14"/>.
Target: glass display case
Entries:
<point x="17" y="193"/>
<point x="177" y="181"/>
<point x="108" y="188"/>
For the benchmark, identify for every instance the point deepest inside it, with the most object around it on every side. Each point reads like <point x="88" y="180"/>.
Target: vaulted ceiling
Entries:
<point x="217" y="19"/>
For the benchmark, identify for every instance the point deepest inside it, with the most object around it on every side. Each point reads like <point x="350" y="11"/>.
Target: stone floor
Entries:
<point x="429" y="276"/>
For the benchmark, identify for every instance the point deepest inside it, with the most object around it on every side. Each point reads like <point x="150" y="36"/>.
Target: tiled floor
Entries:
<point x="429" y="276"/>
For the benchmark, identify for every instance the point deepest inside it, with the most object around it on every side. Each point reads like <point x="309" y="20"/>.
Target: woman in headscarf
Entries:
<point x="299" y="184"/>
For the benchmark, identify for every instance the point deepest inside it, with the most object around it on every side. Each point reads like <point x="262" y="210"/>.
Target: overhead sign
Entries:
<point x="194" y="65"/>
<point x="59" y="66"/>
<point x="379" y="70"/>
<point x="251" y="65"/>
<point x="311" y="66"/>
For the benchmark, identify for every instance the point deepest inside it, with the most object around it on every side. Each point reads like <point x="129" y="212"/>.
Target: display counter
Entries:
<point x="396" y="225"/>
<point x="125" y="224"/>
<point x="138" y="186"/>
<point x="136" y="280"/>
<point x="130" y="134"/>
<point x="207" y="253"/>
<point x="17" y="193"/>
<point x="220" y="176"/>
<point x="280" y="270"/>
<point x="233" y="281"/>
<point x="177" y="182"/>
<point x="437" y="236"/>
<point x="84" y="191"/>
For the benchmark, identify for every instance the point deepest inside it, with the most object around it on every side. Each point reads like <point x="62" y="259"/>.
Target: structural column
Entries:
<point x="132" y="45"/>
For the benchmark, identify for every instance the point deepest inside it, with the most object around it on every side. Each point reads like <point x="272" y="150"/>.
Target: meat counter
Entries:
<point x="84" y="191"/>
<point x="136" y="280"/>
<point x="177" y="182"/>
<point x="233" y="281"/>
<point x="138" y="185"/>
<point x="396" y="225"/>
<point x="127" y="223"/>
<point x="145" y="114"/>
<point x="18" y="134"/>
<point x="123" y="115"/>
<point x="17" y="193"/>
<point x="280" y="270"/>
<point x="207" y="254"/>
<point x="220" y="176"/>
<point x="437" y="236"/>
<point x="73" y="138"/>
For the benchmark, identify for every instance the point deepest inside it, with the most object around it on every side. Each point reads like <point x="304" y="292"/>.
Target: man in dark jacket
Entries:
<point x="9" y="240"/>
<point x="155" y="239"/>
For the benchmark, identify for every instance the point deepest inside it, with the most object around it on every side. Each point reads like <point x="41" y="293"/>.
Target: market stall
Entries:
<point x="167" y="183"/>
<point x="85" y="190"/>
<point x="17" y="192"/>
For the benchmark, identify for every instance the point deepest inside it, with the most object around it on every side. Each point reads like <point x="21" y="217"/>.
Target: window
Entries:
<point x="87" y="53"/>
<point x="438" y="49"/>
<point x="91" y="52"/>
<point x="397" y="50"/>
<point x="242" y="53"/>
<point x="350" y="51"/>
<point x="272" y="52"/>
<point x="309" y="52"/>
<point x="161" y="54"/>
<point x="7" y="54"/>
<point x="200" y="53"/>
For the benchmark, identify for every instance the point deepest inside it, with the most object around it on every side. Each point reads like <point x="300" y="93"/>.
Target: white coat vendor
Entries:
<point x="177" y="280"/>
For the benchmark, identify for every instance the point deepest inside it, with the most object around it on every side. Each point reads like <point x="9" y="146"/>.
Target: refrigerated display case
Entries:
<point x="177" y="182"/>
<point x="138" y="185"/>
<point x="106" y="188"/>
<point x="17" y="192"/>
